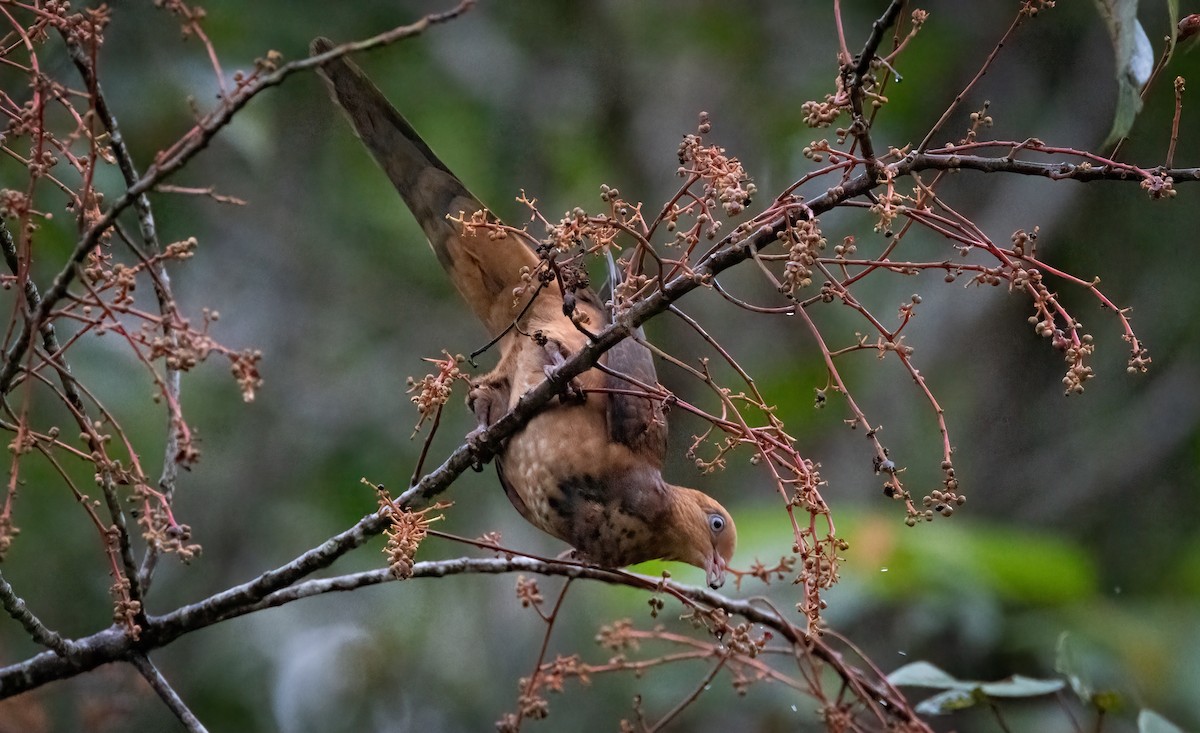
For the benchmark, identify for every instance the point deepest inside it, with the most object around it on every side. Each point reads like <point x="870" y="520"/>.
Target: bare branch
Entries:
<point x="16" y="608"/>
<point x="111" y="645"/>
<point x="167" y="693"/>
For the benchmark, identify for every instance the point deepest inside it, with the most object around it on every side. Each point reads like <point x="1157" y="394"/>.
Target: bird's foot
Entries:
<point x="556" y="355"/>
<point x="476" y="444"/>
<point x="572" y="392"/>
<point x="488" y="399"/>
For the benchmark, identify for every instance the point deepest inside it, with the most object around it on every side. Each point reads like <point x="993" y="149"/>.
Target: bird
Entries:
<point x="588" y="469"/>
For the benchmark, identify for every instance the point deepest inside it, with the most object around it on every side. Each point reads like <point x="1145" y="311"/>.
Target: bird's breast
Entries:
<point x="582" y="488"/>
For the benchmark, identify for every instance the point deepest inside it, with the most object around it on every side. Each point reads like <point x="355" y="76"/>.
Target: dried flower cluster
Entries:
<point x="406" y="530"/>
<point x="804" y="243"/>
<point x="724" y="180"/>
<point x="433" y="391"/>
<point x="113" y="285"/>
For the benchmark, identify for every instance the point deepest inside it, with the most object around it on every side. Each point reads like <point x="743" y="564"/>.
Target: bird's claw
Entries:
<point x="572" y="392"/>
<point x="476" y="444"/>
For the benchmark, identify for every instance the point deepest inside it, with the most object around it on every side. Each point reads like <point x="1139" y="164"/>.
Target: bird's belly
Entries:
<point x="554" y="448"/>
<point x="580" y="487"/>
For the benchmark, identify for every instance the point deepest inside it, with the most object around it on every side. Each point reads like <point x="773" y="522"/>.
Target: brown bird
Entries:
<point x="587" y="470"/>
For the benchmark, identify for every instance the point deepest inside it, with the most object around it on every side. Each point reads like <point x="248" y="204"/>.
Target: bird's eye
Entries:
<point x="716" y="522"/>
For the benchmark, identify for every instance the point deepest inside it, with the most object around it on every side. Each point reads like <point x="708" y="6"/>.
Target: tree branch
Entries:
<point x="15" y="606"/>
<point x="111" y="645"/>
<point x="189" y="146"/>
<point x="855" y="76"/>
<point x="167" y="693"/>
<point x="141" y="578"/>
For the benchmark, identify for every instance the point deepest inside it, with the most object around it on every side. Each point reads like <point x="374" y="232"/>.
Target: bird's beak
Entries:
<point x="714" y="567"/>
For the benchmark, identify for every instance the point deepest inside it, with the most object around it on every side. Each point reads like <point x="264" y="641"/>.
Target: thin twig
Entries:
<point x="181" y="154"/>
<point x="983" y="69"/>
<point x="166" y="693"/>
<point x="38" y="631"/>
<point x="537" y="666"/>
<point x="111" y="644"/>
<point x="514" y="324"/>
<point x="855" y="78"/>
<point x="209" y="191"/>
<point x="690" y="698"/>
<point x="998" y="716"/>
<point x="76" y="406"/>
<point x="162" y="289"/>
<point x="1175" y="120"/>
<point x="437" y="420"/>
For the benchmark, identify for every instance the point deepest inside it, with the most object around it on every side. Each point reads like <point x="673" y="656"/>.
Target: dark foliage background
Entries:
<point x="1082" y="512"/>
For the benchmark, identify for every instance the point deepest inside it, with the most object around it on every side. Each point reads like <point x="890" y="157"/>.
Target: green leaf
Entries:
<point x="947" y="702"/>
<point x="1151" y="722"/>
<point x="1066" y="664"/>
<point x="924" y="674"/>
<point x="1019" y="686"/>
<point x="1134" y="62"/>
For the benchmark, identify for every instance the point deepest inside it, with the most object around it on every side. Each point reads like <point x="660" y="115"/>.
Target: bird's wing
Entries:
<point x="637" y="422"/>
<point x="484" y="270"/>
<point x="634" y="421"/>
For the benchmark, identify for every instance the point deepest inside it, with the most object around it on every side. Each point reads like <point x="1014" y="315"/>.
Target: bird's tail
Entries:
<point x="484" y="270"/>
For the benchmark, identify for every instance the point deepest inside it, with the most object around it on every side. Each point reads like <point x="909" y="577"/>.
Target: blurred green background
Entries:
<point x="1082" y="512"/>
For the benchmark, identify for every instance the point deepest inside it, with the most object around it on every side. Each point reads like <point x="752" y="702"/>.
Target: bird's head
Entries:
<point x="703" y="534"/>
